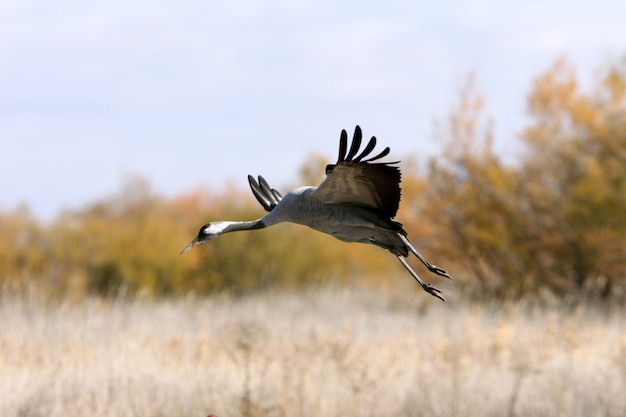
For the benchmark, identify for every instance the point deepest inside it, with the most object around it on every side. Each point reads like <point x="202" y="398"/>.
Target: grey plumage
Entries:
<point x="355" y="203"/>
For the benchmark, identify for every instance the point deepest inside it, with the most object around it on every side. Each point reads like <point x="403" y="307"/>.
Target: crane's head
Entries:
<point x="207" y="232"/>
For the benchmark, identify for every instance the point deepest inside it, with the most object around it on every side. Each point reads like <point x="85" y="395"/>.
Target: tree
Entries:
<point x="574" y="176"/>
<point x="472" y="201"/>
<point x="556" y="220"/>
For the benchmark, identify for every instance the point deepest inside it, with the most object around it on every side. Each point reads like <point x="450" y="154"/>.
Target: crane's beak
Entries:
<point x="193" y="243"/>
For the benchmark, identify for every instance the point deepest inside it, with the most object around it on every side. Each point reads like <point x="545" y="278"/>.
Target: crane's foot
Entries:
<point x="433" y="291"/>
<point x="439" y="271"/>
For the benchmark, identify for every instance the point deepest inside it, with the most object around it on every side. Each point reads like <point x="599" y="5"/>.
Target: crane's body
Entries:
<point x="355" y="203"/>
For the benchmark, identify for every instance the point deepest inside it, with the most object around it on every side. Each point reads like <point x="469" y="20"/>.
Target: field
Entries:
<point x="327" y="352"/>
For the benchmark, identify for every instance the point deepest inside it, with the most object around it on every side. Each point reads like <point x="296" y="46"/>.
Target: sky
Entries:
<point x="190" y="94"/>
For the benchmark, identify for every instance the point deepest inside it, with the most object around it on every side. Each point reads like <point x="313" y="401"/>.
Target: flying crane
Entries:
<point x="355" y="203"/>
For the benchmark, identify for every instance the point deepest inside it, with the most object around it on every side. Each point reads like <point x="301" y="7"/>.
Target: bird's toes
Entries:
<point x="441" y="271"/>
<point x="433" y="291"/>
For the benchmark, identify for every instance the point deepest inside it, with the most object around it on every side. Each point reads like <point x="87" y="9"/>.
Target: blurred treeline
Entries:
<point x="549" y="222"/>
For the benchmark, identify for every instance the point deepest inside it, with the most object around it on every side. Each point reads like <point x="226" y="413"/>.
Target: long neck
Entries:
<point x="237" y="226"/>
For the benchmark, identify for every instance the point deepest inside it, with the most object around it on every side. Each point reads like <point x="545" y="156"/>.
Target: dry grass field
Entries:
<point x="325" y="353"/>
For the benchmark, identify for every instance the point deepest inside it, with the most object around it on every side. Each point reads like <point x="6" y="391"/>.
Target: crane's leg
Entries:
<point x="431" y="267"/>
<point x="427" y="287"/>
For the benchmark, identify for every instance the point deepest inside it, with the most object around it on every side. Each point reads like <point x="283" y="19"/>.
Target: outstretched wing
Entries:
<point x="353" y="179"/>
<point x="267" y="196"/>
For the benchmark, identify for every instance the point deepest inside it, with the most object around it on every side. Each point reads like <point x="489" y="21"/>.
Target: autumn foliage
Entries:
<point x="550" y="223"/>
<point x="555" y="222"/>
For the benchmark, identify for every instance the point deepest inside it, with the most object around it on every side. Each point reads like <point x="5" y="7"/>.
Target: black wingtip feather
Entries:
<point x="267" y="190"/>
<point x="278" y="196"/>
<point x="258" y="193"/>
<point x="343" y="146"/>
<point x="354" y="148"/>
<point x="384" y="153"/>
<point x="368" y="149"/>
<point x="265" y="195"/>
<point x="356" y="143"/>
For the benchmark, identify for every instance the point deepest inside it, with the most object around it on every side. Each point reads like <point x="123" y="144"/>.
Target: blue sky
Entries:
<point x="200" y="93"/>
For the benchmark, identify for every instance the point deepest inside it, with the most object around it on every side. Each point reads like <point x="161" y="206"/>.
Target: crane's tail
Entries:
<point x="427" y="287"/>
<point x="432" y="268"/>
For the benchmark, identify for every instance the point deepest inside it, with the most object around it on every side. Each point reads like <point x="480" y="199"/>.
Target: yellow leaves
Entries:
<point x="553" y="89"/>
<point x="537" y="224"/>
<point x="19" y="257"/>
